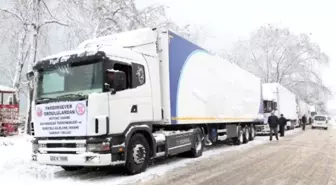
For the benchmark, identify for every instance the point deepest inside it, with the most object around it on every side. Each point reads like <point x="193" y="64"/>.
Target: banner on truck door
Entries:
<point x="60" y="119"/>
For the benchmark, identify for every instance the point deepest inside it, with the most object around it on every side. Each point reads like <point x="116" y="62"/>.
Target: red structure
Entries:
<point x="9" y="111"/>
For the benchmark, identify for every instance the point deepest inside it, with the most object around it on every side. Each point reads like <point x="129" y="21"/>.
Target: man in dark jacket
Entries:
<point x="273" y="123"/>
<point x="304" y="121"/>
<point x="282" y="123"/>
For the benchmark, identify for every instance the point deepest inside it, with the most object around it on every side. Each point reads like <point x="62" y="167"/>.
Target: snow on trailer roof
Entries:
<point x="6" y="89"/>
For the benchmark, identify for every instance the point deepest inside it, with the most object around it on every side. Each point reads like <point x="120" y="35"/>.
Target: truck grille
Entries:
<point x="62" y="146"/>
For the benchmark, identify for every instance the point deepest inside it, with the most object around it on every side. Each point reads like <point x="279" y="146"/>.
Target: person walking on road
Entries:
<point x="282" y="124"/>
<point x="273" y="123"/>
<point x="304" y="121"/>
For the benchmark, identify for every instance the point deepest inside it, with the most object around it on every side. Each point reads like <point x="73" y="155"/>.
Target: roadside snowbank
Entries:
<point x="16" y="167"/>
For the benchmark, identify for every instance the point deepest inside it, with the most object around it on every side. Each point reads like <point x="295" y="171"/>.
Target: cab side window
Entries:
<point x="135" y="73"/>
<point x="127" y="69"/>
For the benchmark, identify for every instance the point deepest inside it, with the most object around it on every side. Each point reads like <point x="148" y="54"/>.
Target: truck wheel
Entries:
<point x="72" y="168"/>
<point x="137" y="155"/>
<point x="240" y="139"/>
<point x="197" y="149"/>
<point x="252" y="133"/>
<point x="246" y="134"/>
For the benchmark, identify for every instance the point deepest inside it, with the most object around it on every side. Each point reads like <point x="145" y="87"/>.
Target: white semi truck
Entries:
<point x="279" y="100"/>
<point x="134" y="96"/>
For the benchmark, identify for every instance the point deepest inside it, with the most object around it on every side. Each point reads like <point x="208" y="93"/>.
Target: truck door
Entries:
<point x="131" y="102"/>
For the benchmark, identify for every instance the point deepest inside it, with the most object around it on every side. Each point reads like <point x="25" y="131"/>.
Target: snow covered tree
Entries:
<point x="95" y="18"/>
<point x="277" y="55"/>
<point x="31" y="16"/>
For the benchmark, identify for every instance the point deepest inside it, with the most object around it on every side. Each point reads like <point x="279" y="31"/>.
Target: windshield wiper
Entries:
<point x="44" y="99"/>
<point x="79" y="95"/>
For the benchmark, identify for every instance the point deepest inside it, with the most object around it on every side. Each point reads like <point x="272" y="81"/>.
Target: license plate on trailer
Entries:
<point x="58" y="158"/>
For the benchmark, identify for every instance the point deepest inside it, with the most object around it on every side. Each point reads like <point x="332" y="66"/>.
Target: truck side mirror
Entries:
<point x="30" y="75"/>
<point x="116" y="80"/>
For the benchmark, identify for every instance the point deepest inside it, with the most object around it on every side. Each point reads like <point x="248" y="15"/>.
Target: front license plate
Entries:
<point x="58" y="158"/>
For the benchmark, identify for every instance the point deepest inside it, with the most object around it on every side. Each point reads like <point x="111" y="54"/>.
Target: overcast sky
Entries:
<point x="231" y="20"/>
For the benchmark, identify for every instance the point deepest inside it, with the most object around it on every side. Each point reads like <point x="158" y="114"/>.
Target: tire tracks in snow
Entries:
<point x="307" y="158"/>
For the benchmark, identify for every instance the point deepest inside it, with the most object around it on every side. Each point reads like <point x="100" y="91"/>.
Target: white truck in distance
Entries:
<point x="130" y="97"/>
<point x="279" y="100"/>
<point x="303" y="109"/>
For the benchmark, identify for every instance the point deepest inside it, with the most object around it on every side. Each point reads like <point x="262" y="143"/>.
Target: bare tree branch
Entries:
<point x="52" y="22"/>
<point x="12" y="13"/>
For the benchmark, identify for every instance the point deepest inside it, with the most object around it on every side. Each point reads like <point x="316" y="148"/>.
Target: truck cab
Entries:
<point x="269" y="107"/>
<point x="86" y="101"/>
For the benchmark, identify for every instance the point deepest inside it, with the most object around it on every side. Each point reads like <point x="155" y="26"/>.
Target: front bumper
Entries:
<point x="78" y="153"/>
<point x="84" y="159"/>
<point x="319" y="125"/>
<point x="262" y="129"/>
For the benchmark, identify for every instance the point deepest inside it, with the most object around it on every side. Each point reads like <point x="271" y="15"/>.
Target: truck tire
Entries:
<point x="197" y="149"/>
<point x="252" y="133"/>
<point x="137" y="158"/>
<point x="246" y="134"/>
<point x="240" y="139"/>
<point x="72" y="168"/>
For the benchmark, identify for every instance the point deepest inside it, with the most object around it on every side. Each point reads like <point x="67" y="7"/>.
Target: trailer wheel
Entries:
<point x="137" y="154"/>
<point x="252" y="133"/>
<point x="197" y="148"/>
<point x="240" y="139"/>
<point x="72" y="168"/>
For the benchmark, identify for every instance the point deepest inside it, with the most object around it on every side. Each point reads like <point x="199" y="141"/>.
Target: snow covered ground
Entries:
<point x="16" y="167"/>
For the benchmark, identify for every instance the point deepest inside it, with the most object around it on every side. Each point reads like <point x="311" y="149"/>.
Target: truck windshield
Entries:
<point x="268" y="106"/>
<point x="83" y="79"/>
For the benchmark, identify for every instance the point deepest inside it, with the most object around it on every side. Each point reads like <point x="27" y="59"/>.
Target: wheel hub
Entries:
<point x="139" y="154"/>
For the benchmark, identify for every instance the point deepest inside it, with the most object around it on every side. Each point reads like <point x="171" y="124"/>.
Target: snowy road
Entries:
<point x="306" y="158"/>
<point x="258" y="162"/>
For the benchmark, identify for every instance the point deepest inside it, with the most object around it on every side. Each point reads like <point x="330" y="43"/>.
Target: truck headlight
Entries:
<point x="98" y="147"/>
<point x="35" y="146"/>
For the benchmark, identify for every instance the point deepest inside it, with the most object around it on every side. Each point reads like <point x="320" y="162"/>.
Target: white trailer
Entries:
<point x="279" y="100"/>
<point x="133" y="96"/>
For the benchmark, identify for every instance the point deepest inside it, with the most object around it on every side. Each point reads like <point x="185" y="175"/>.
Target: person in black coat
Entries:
<point x="304" y="121"/>
<point x="273" y="123"/>
<point x="282" y="124"/>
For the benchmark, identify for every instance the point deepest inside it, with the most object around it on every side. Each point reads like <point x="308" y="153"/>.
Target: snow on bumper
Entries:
<point x="84" y="159"/>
